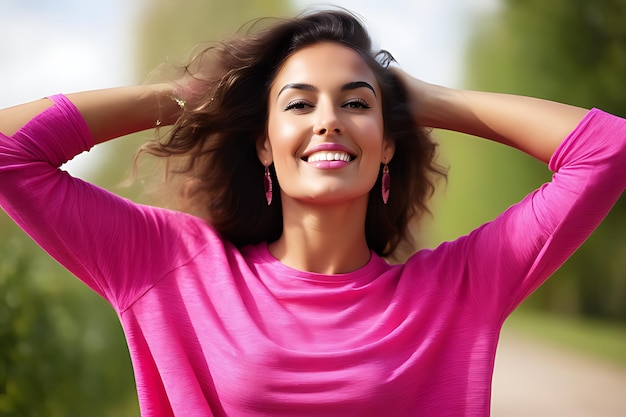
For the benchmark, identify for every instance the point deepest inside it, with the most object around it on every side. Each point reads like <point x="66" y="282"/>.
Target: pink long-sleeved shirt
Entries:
<point x="215" y="330"/>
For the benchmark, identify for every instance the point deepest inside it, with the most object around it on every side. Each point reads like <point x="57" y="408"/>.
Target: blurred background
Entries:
<point x="62" y="351"/>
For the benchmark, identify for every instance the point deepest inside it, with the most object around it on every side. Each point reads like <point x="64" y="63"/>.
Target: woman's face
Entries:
<point x="325" y="126"/>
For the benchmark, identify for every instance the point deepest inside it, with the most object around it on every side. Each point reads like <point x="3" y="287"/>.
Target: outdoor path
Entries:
<point x="540" y="380"/>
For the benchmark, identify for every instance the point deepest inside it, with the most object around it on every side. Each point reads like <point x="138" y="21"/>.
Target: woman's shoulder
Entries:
<point x="190" y="228"/>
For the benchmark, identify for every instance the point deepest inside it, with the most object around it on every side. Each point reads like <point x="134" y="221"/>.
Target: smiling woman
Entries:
<point x="305" y="157"/>
<point x="298" y="59"/>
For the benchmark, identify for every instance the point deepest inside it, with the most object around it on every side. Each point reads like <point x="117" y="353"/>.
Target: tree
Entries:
<point x="572" y="51"/>
<point x="171" y="28"/>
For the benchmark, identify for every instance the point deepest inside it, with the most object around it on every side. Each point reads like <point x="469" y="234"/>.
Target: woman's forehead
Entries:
<point x="324" y="63"/>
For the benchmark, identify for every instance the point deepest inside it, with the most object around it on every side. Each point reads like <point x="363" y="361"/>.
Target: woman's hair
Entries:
<point x="215" y="141"/>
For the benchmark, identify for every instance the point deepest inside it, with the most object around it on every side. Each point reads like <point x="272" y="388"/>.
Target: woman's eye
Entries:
<point x="297" y="105"/>
<point x="357" y="104"/>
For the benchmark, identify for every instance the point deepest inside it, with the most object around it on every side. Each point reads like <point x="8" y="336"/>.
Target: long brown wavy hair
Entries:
<point x="214" y="141"/>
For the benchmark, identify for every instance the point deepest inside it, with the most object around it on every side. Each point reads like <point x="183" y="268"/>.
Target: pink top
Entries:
<point x="214" y="330"/>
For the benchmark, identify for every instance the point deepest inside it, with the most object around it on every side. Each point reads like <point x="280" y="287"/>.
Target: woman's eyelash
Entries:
<point x="297" y="104"/>
<point x="357" y="103"/>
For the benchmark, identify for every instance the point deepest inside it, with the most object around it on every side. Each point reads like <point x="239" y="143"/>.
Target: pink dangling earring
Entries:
<point x="267" y="183"/>
<point x="386" y="184"/>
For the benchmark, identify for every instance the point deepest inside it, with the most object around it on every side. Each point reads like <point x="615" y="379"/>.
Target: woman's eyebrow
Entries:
<point x="357" y="84"/>
<point x="308" y="87"/>
<point x="297" y="86"/>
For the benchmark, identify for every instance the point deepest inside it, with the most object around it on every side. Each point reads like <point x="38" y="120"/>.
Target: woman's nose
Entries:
<point x="327" y="121"/>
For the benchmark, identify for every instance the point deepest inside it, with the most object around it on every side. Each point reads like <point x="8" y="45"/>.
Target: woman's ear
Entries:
<point x="264" y="150"/>
<point x="389" y="148"/>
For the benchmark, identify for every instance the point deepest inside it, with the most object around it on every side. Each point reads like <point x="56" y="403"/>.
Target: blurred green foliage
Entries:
<point x="61" y="346"/>
<point x="572" y="51"/>
<point x="171" y="28"/>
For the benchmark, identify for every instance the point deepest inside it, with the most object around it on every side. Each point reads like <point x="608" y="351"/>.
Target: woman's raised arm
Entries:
<point x="109" y="113"/>
<point x="532" y="125"/>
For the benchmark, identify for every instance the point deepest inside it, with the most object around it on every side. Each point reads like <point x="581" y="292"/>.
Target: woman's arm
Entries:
<point x="532" y="125"/>
<point x="499" y="264"/>
<point x="116" y="247"/>
<point x="109" y="113"/>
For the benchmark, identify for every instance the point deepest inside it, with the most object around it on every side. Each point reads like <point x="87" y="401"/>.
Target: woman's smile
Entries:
<point x="328" y="156"/>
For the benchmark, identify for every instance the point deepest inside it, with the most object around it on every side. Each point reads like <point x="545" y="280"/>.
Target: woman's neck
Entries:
<point x="326" y="239"/>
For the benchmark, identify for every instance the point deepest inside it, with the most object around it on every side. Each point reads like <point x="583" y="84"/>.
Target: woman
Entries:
<point x="304" y="157"/>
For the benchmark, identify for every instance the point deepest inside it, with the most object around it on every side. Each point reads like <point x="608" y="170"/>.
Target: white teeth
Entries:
<point x="329" y="156"/>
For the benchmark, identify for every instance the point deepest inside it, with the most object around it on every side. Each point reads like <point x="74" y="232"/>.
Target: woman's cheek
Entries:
<point x="286" y="139"/>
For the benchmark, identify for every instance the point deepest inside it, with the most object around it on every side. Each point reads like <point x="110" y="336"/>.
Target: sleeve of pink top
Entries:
<point x="115" y="246"/>
<point x="498" y="265"/>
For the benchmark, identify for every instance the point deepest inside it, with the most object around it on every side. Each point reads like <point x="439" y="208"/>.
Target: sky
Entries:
<point x="62" y="46"/>
<point x="47" y="47"/>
